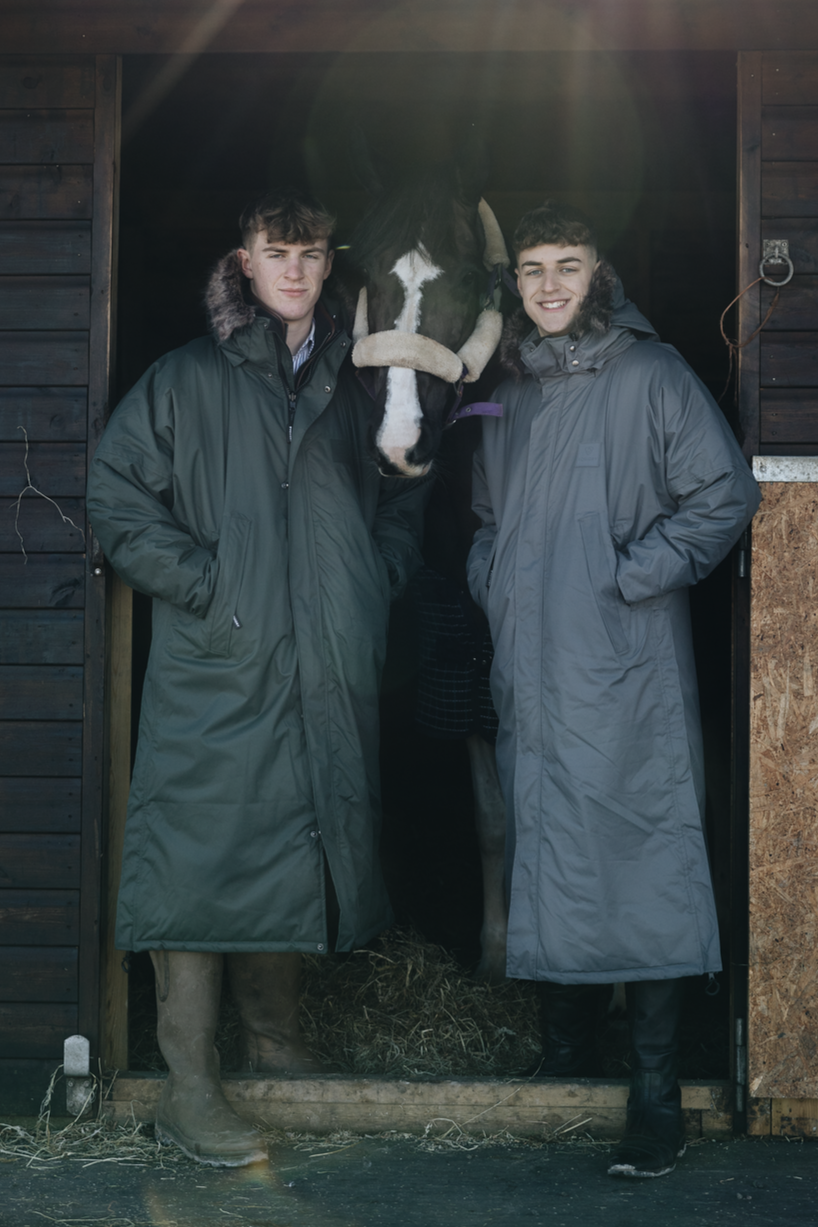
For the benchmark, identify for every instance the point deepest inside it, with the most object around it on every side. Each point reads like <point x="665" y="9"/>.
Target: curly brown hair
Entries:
<point x="288" y="215"/>
<point x="550" y="222"/>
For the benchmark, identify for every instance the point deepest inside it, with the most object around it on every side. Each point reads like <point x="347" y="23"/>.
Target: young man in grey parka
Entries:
<point x="610" y="484"/>
<point x="234" y="486"/>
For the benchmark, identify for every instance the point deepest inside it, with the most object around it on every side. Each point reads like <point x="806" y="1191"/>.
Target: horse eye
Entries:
<point x="468" y="278"/>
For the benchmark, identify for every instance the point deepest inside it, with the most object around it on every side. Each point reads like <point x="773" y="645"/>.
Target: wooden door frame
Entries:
<point x="107" y="695"/>
<point x="748" y="202"/>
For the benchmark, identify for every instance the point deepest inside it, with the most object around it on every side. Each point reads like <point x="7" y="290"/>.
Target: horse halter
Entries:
<point x="418" y="353"/>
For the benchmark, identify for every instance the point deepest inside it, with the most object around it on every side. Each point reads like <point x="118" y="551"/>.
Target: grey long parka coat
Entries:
<point x="270" y="564"/>
<point x="609" y="485"/>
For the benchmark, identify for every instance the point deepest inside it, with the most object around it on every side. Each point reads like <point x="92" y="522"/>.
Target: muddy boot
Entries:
<point x="192" y="1111"/>
<point x="568" y="1019"/>
<point x="654" y="1133"/>
<point x="265" y="988"/>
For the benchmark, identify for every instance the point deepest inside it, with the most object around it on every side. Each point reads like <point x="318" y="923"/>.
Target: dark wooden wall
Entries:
<point x="57" y="132"/>
<point x="779" y="200"/>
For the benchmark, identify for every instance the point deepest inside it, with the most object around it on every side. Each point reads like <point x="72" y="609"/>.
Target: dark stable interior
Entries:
<point x="644" y="142"/>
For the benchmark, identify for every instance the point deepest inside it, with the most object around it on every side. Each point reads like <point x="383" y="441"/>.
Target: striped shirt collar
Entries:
<point x="304" y="351"/>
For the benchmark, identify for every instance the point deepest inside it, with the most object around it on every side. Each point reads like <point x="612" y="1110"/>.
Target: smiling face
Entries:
<point x="553" y="282"/>
<point x="287" y="277"/>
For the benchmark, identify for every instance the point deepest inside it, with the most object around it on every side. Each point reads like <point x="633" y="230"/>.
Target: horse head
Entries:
<point x="427" y="318"/>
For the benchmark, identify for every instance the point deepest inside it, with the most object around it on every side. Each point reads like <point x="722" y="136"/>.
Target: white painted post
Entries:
<point x="79" y="1085"/>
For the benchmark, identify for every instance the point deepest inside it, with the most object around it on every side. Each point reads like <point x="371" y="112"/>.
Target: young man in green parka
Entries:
<point x="233" y="485"/>
<point x="610" y="484"/>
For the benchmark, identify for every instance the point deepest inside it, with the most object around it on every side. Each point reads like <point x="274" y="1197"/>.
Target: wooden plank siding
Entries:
<point x="787" y="385"/>
<point x="58" y="124"/>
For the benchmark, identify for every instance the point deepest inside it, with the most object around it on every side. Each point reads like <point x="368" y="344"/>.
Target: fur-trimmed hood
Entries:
<point x="604" y="308"/>
<point x="227" y="306"/>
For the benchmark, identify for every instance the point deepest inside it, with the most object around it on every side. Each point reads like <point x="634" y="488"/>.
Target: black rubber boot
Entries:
<point x="568" y="1020"/>
<point x="654" y="1132"/>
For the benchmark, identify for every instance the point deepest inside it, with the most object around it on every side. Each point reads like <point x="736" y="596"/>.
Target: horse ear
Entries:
<point x="363" y="162"/>
<point x="472" y="162"/>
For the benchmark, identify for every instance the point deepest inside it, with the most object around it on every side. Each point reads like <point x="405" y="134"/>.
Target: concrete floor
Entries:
<point x="392" y="1181"/>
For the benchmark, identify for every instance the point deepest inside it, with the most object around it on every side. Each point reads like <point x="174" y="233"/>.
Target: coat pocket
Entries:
<point x="600" y="561"/>
<point x="224" y="618"/>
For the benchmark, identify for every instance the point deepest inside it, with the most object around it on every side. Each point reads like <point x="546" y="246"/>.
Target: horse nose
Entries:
<point x="398" y="464"/>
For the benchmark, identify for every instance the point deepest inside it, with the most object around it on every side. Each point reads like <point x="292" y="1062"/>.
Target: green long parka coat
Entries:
<point x="271" y="563"/>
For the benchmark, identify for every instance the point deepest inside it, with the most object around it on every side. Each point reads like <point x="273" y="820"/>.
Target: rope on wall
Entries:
<point x="733" y="347"/>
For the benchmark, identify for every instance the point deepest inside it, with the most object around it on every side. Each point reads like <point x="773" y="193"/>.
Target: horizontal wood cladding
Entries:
<point x="788" y="347"/>
<point x="61" y="82"/>
<point x="44" y="358"/>
<point x="789" y="189"/>
<point x="57" y="414"/>
<point x="801" y="236"/>
<point x="789" y="78"/>
<point x="39" y="917"/>
<point x="33" y="1030"/>
<point x="797" y="304"/>
<point x="40" y="747"/>
<point x="44" y="303"/>
<point x="789" y="134"/>
<point x="41" y="637"/>
<point x="56" y="468"/>
<point x="37" y="804"/>
<point x="46" y="136"/>
<point x="49" y="974"/>
<point x="40" y="692"/>
<point x="40" y="525"/>
<point x="35" y="192"/>
<point x="789" y="449"/>
<point x="789" y="416"/>
<point x="44" y="581"/>
<point x="789" y="359"/>
<point x="33" y="861"/>
<point x="60" y="247"/>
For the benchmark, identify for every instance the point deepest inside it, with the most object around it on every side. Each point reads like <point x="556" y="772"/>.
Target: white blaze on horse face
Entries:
<point x="400" y="429"/>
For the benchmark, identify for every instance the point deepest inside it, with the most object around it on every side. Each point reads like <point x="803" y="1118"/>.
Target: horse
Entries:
<point x="427" y="318"/>
<point x="430" y="258"/>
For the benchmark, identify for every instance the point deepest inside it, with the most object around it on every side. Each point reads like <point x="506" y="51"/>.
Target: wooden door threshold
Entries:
<point x="556" y="1109"/>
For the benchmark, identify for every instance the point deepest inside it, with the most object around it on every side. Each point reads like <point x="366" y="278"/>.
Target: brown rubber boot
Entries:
<point x="192" y="1112"/>
<point x="266" y="988"/>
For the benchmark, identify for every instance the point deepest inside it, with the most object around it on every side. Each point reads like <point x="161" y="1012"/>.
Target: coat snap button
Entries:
<point x="320" y="946"/>
<point x="285" y="485"/>
<point x="573" y="348"/>
<point x="575" y="363"/>
<point x="327" y="388"/>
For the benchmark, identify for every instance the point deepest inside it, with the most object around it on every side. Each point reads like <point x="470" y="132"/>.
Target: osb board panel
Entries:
<point x="485" y="1105"/>
<point x="783" y="1017"/>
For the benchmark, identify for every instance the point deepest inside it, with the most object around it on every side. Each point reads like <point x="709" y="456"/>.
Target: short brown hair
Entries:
<point x="289" y="216"/>
<point x="562" y="225"/>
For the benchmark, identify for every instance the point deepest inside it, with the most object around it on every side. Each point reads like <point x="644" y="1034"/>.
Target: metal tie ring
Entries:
<point x="778" y="260"/>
